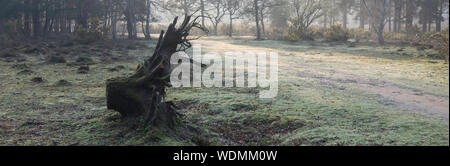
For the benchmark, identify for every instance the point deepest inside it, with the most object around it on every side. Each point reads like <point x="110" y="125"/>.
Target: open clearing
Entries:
<point x="329" y="94"/>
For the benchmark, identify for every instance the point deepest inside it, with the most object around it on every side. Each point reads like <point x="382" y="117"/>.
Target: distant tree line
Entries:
<point x="39" y="18"/>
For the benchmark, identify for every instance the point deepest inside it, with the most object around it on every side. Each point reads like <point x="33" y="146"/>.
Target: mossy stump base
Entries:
<point x="133" y="101"/>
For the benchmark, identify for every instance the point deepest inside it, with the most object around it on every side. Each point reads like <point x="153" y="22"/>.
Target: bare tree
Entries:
<point x="232" y="8"/>
<point x="379" y="13"/>
<point x="186" y="6"/>
<point x="264" y="9"/>
<point x="217" y="13"/>
<point x="305" y="12"/>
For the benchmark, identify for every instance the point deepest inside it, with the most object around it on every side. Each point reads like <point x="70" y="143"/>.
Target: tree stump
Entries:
<point x="143" y="93"/>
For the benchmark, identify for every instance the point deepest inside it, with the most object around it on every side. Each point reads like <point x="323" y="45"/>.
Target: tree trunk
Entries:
<point x="231" y="26"/>
<point x="36" y="18"/>
<point x="333" y="6"/>
<point x="143" y="93"/>
<point x="397" y="15"/>
<point x="430" y="21"/>
<point x="27" y="24"/>
<point x="258" y="30"/>
<point x="46" y="23"/>
<point x="409" y="14"/>
<point x="147" y="21"/>
<point x="63" y="17"/>
<point x="439" y="16"/>
<point x="216" y="25"/>
<point x="134" y="19"/>
<point x="390" y="24"/>
<point x="263" y="26"/>
<point x="114" y="26"/>
<point x="114" y="23"/>
<point x="382" y="23"/>
<point x="344" y="16"/>
<point x="424" y="26"/>
<point x="81" y="16"/>
<point x="106" y="17"/>
<point x="69" y="26"/>
<point x="202" y="11"/>
<point x="362" y="16"/>
<point x="129" y="17"/>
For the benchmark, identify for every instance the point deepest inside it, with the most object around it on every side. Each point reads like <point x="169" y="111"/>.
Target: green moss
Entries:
<point x="63" y="83"/>
<point x="84" y="59"/>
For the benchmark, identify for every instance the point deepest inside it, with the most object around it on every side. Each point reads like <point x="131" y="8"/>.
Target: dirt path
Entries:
<point x="400" y="97"/>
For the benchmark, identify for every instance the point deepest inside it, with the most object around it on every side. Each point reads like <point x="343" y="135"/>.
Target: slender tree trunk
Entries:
<point x="439" y="16"/>
<point x="81" y="16"/>
<point x="69" y="26"/>
<point x="397" y="15"/>
<point x="333" y="5"/>
<point x="430" y="21"/>
<point x="27" y="24"/>
<point x="390" y="24"/>
<point x="36" y="18"/>
<point x="215" y="28"/>
<point x="51" y="25"/>
<point x="106" y="13"/>
<point x="231" y="26"/>
<point x="63" y="17"/>
<point x="424" y="26"/>
<point x="130" y="21"/>
<point x="46" y="23"/>
<point x="344" y="16"/>
<point x="202" y="11"/>
<point x="362" y="17"/>
<point x="383" y="14"/>
<point x="134" y="19"/>
<point x="258" y="30"/>
<point x="409" y="15"/>
<point x="123" y="30"/>
<point x="114" y="26"/>
<point x="57" y="17"/>
<point x="147" y="21"/>
<point x="263" y="26"/>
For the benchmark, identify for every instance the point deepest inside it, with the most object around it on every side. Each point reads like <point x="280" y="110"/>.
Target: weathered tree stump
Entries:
<point x="143" y="93"/>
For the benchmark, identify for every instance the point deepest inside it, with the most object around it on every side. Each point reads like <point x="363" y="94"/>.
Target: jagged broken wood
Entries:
<point x="143" y="93"/>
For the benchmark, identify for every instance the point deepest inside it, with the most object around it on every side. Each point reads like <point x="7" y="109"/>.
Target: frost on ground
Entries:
<point x="330" y="94"/>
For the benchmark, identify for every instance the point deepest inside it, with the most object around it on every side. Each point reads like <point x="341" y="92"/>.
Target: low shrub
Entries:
<point x="337" y="33"/>
<point x="277" y="33"/>
<point x="93" y="33"/>
<point x="440" y="42"/>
